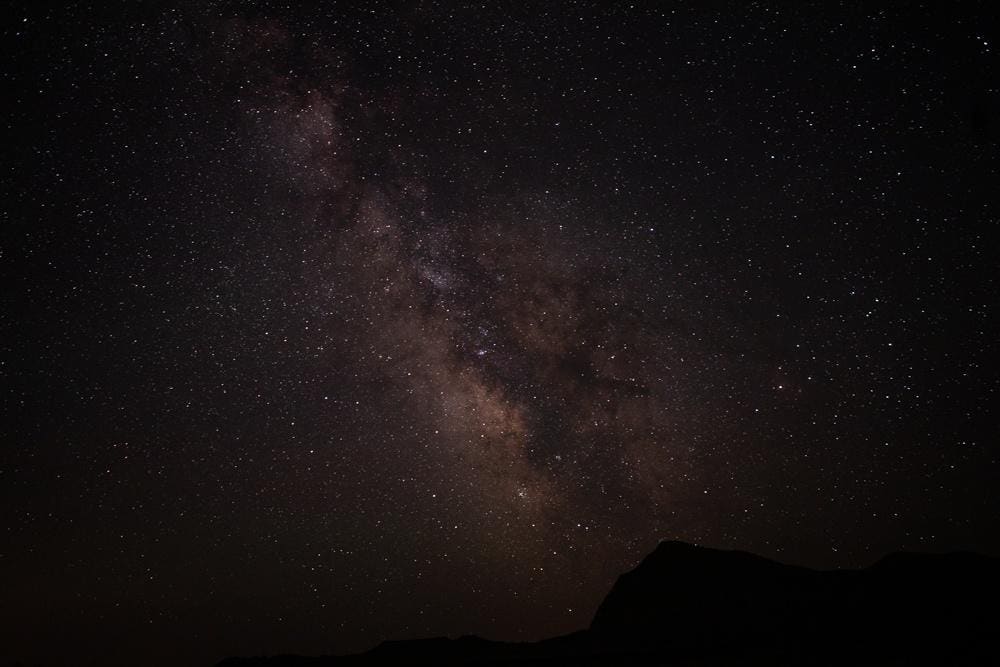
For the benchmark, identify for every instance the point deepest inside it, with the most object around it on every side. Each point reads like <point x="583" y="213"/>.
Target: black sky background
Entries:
<point x="334" y="323"/>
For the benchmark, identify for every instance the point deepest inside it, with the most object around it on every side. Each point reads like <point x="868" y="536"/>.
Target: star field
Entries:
<point x="332" y="324"/>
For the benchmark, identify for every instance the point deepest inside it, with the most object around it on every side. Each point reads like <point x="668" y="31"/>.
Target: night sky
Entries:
<point x="333" y="324"/>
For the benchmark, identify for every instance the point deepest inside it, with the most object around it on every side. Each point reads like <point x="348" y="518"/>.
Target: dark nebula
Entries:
<point x="330" y="324"/>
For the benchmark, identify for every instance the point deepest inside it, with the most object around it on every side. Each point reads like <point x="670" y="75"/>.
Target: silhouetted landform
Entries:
<point x="689" y="605"/>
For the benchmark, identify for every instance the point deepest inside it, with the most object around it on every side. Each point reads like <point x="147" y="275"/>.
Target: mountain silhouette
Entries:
<point x="690" y="605"/>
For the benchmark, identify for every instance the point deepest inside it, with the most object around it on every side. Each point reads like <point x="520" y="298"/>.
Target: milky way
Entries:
<point x="330" y="325"/>
<point x="507" y="329"/>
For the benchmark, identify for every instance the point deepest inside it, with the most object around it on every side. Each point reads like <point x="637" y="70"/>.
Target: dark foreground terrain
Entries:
<point x="688" y="605"/>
